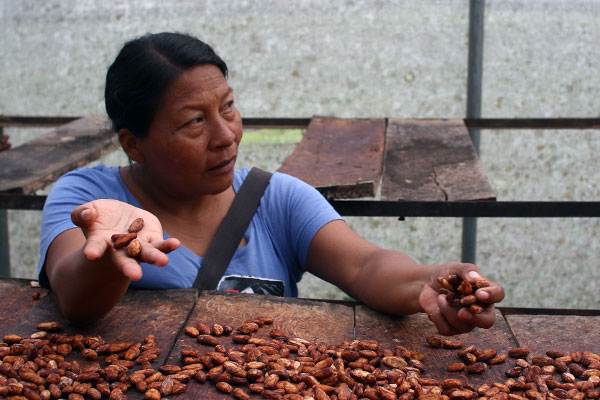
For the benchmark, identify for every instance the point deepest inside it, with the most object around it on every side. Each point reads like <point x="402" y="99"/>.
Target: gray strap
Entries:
<point x="232" y="228"/>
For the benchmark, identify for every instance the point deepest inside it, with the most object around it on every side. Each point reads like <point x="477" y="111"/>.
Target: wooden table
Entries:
<point x="165" y="313"/>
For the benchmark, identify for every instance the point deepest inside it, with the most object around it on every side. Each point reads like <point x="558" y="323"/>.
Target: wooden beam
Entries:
<point x="41" y="161"/>
<point x="432" y="160"/>
<point x="342" y="158"/>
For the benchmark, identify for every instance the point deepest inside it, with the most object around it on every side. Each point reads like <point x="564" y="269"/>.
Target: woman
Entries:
<point x="174" y="114"/>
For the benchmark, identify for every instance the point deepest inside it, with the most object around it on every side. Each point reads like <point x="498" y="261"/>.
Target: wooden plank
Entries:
<point x="41" y="161"/>
<point x="17" y="298"/>
<point x="567" y="333"/>
<point x="432" y="160"/>
<point x="139" y="313"/>
<point x="311" y="320"/>
<point x="342" y="158"/>
<point x="411" y="331"/>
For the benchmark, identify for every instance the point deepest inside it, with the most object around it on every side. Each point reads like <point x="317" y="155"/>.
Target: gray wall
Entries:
<point x="361" y="59"/>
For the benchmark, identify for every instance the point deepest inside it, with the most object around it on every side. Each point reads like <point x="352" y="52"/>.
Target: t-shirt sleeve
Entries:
<point x="71" y="190"/>
<point x="304" y="212"/>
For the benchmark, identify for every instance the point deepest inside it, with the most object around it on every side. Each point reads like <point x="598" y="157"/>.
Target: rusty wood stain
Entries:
<point x="17" y="299"/>
<point x="342" y="158"/>
<point x="567" y="333"/>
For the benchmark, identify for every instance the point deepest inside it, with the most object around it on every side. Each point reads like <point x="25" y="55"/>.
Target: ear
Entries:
<point x="130" y="144"/>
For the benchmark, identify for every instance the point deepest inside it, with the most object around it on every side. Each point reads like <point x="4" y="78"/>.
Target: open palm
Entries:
<point x="100" y="219"/>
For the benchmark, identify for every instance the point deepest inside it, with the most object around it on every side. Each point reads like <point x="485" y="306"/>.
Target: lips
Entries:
<point x="223" y="165"/>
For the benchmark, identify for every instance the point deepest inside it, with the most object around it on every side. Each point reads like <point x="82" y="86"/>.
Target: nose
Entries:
<point x="222" y="133"/>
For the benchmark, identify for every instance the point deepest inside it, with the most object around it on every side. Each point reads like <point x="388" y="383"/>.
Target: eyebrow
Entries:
<point x="192" y="106"/>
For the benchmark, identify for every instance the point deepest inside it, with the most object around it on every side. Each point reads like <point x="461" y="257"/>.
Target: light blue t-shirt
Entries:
<point x="290" y="213"/>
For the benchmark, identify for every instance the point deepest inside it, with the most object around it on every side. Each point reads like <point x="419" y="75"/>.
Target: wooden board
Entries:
<point x="556" y="332"/>
<point x="342" y="158"/>
<point x="432" y="160"/>
<point x="311" y="320"/>
<point x="17" y="299"/>
<point x="139" y="313"/>
<point x="41" y="161"/>
<point x="412" y="330"/>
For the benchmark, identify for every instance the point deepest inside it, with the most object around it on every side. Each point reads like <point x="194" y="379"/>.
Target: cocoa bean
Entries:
<point x="136" y="225"/>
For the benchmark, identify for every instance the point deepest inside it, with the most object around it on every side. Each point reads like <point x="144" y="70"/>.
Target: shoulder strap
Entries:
<point x="232" y="228"/>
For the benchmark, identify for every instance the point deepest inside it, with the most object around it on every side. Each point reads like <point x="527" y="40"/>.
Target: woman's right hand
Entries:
<point x="100" y="219"/>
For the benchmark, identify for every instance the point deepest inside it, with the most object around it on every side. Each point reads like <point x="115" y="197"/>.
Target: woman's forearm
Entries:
<point x="391" y="282"/>
<point x="86" y="290"/>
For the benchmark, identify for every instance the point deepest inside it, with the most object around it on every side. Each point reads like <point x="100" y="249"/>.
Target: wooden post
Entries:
<point x="4" y="243"/>
<point x="474" y="78"/>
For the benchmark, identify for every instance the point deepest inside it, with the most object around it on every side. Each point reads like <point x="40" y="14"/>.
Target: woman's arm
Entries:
<point x="87" y="275"/>
<point x="392" y="282"/>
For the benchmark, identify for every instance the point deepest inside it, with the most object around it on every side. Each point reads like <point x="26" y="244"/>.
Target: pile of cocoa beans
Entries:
<point x="556" y="375"/>
<point x="239" y="363"/>
<point x="292" y="368"/>
<point x="37" y="367"/>
<point x="474" y="361"/>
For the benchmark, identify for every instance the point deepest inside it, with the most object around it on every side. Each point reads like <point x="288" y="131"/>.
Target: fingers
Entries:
<point x="94" y="247"/>
<point x="84" y="215"/>
<point x="128" y="266"/>
<point x="151" y="253"/>
<point x="166" y="246"/>
<point x="443" y="316"/>
<point x="491" y="294"/>
<point x="483" y="320"/>
<point x="451" y="315"/>
<point x="450" y="320"/>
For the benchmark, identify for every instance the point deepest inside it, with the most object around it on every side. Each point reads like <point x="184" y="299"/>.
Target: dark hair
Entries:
<point x="143" y="69"/>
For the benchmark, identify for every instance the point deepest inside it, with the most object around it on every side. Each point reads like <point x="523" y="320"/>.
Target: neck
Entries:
<point x="159" y="201"/>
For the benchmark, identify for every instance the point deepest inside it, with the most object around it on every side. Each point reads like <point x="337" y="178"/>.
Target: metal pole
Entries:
<point x="474" y="77"/>
<point x="4" y="245"/>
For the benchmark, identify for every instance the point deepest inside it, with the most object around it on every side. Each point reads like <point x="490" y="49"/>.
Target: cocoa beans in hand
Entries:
<point x="129" y="240"/>
<point x="460" y="293"/>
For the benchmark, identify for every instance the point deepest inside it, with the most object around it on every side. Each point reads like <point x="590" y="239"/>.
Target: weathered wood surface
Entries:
<point x="567" y="333"/>
<point x="342" y="158"/>
<point x="432" y="160"/>
<point x="41" y="161"/>
<point x="411" y="332"/>
<point x="17" y="297"/>
<point x="311" y="320"/>
<point x="139" y="313"/>
<point x="166" y="313"/>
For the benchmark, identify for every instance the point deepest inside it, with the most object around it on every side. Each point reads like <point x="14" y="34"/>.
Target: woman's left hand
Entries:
<point x="450" y="320"/>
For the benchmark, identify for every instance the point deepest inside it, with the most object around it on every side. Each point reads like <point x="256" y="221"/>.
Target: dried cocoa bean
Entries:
<point x="452" y="344"/>
<point x="476" y="368"/>
<point x="121" y="240"/>
<point x="455" y="367"/>
<point x="224" y="387"/>
<point x="434" y="341"/>
<point x="134" y="248"/>
<point x="208" y="340"/>
<point x="520" y="352"/>
<point x="217" y="330"/>
<point x="136" y="225"/>
<point x="49" y="326"/>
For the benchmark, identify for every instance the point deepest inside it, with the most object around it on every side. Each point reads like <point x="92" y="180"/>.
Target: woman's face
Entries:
<point x="192" y="143"/>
